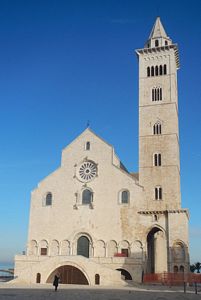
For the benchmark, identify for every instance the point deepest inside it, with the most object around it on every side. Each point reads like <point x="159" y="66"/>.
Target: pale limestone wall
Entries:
<point x="44" y="223"/>
<point x="167" y="114"/>
<point x="165" y="111"/>
<point x="161" y="252"/>
<point x="110" y="225"/>
<point x="46" y="265"/>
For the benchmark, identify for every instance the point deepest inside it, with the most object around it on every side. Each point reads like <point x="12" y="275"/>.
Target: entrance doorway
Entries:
<point x="156" y="251"/>
<point x="69" y="275"/>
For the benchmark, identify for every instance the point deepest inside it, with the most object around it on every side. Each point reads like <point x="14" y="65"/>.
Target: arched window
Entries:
<point x="157" y="128"/>
<point x="43" y="247"/>
<point x="157" y="94"/>
<point x="153" y="94"/>
<point x="38" y="278"/>
<point x="33" y="248"/>
<point x="156" y="43"/>
<point x="97" y="279"/>
<point x="166" y="43"/>
<point x="157" y="160"/>
<point x="124" y="197"/>
<point x="178" y="252"/>
<point x="83" y="246"/>
<point x="156" y="70"/>
<point x="160" y="94"/>
<point x="158" y="193"/>
<point x="164" y="69"/>
<point x="87" y="145"/>
<point x="87" y="197"/>
<point x="161" y="70"/>
<point x="148" y="71"/>
<point x="155" y="218"/>
<point x="48" y="199"/>
<point x="152" y="71"/>
<point x="54" y="248"/>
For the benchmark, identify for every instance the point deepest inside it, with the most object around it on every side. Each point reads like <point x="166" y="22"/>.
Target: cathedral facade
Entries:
<point x="93" y="222"/>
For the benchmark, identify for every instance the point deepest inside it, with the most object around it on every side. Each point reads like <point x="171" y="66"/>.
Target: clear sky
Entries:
<point x="63" y="63"/>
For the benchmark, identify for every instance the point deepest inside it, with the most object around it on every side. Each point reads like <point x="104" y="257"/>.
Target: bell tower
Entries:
<point x="159" y="162"/>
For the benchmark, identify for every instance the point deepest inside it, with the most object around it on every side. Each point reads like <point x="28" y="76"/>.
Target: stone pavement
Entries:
<point x="73" y="292"/>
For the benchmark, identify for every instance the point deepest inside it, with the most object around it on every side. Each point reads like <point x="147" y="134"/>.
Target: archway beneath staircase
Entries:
<point x="125" y="273"/>
<point x="69" y="275"/>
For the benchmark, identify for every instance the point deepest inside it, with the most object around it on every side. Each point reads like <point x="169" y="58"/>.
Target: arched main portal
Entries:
<point x="156" y="251"/>
<point x="69" y="275"/>
<point x="126" y="274"/>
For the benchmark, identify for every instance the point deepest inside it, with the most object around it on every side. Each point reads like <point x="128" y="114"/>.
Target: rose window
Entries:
<point x="87" y="171"/>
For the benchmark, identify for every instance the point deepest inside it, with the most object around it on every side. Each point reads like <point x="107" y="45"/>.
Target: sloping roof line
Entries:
<point x="89" y="129"/>
<point x="158" y="30"/>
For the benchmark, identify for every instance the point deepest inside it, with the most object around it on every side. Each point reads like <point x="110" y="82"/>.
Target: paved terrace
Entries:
<point x="9" y="291"/>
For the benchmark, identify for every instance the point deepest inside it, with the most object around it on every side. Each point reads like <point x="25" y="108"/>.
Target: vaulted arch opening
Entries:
<point x="125" y="274"/>
<point x="156" y="251"/>
<point x="68" y="275"/>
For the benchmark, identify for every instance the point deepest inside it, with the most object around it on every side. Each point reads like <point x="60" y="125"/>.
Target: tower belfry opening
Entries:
<point x="158" y="36"/>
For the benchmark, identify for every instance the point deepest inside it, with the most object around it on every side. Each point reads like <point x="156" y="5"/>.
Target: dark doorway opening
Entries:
<point x="38" y="278"/>
<point x="151" y="249"/>
<point x="69" y="275"/>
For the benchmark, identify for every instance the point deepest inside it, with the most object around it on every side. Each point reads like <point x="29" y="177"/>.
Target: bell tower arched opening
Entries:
<point x="156" y="251"/>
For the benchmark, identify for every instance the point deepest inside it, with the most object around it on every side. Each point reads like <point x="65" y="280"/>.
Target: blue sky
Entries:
<point x="63" y="63"/>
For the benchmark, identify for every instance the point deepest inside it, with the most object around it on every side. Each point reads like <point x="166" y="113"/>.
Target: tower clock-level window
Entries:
<point x="157" y="94"/>
<point x="156" y="70"/>
<point x="157" y="159"/>
<point x="148" y="71"/>
<point x="48" y="200"/>
<point x="157" y="129"/>
<point x="152" y="71"/>
<point x="160" y="70"/>
<point x="165" y="69"/>
<point x="87" y="197"/>
<point x="158" y="193"/>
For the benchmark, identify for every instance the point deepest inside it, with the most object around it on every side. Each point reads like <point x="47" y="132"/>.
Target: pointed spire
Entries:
<point x="158" y="30"/>
<point x="158" y="36"/>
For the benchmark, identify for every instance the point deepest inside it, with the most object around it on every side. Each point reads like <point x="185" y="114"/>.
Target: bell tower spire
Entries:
<point x="158" y="36"/>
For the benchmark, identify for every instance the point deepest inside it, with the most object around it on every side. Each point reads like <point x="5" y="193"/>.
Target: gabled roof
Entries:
<point x="158" y="30"/>
<point x="88" y="129"/>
